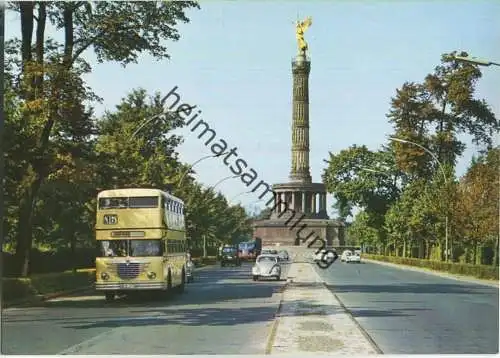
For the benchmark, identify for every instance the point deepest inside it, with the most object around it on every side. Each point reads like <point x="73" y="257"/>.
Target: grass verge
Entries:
<point x="21" y="289"/>
<point x="478" y="271"/>
<point x="17" y="289"/>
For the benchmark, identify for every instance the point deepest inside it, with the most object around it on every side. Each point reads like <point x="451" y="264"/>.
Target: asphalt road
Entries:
<point x="222" y="312"/>
<point x="407" y="312"/>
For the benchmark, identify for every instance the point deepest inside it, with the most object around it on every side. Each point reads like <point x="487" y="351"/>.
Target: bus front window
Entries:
<point x="143" y="248"/>
<point x="114" y="248"/>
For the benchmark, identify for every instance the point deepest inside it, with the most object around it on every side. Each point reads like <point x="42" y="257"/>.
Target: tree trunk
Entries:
<point x="25" y="227"/>
<point x="72" y="243"/>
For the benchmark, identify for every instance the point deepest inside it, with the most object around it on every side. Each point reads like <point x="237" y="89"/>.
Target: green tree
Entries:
<point x="436" y="112"/>
<point x="51" y="90"/>
<point x="360" y="177"/>
<point x="479" y="198"/>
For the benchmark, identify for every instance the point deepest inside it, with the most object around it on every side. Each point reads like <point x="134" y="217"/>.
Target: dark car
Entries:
<point x="230" y="256"/>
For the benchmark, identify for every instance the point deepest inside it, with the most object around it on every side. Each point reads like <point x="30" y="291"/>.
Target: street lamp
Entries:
<point x="196" y="162"/>
<point x="375" y="171"/>
<point x="476" y="61"/>
<point x="240" y="194"/>
<point x="445" y="181"/>
<point x="223" y="180"/>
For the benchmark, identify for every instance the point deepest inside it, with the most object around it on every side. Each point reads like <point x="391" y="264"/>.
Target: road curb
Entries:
<point x="463" y="278"/>
<point x="274" y="327"/>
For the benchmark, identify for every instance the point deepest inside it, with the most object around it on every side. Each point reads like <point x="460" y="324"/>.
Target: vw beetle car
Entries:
<point x="266" y="266"/>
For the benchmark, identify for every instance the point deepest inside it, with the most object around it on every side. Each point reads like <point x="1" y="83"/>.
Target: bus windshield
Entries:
<point x="129" y="202"/>
<point x="133" y="248"/>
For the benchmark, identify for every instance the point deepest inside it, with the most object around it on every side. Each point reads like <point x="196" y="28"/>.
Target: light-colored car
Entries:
<point x="319" y="256"/>
<point x="356" y="257"/>
<point x="266" y="266"/>
<point x="345" y="255"/>
<point x="283" y="255"/>
<point x="190" y="271"/>
<point x="268" y="251"/>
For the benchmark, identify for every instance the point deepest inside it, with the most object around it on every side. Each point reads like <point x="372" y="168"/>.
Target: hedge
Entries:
<point x="52" y="261"/>
<point x="43" y="284"/>
<point x="478" y="271"/>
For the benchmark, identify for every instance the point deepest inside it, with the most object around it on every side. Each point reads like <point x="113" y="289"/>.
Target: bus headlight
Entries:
<point x="104" y="276"/>
<point x="151" y="275"/>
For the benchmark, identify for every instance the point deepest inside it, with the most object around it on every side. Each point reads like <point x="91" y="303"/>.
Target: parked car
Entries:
<point x="266" y="266"/>
<point x="230" y="257"/>
<point x="345" y="254"/>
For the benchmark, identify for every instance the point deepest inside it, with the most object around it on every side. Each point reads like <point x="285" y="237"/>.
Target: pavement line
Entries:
<point x="274" y="327"/>
<point x="349" y="313"/>
<point x="455" y="277"/>
<point x="85" y="344"/>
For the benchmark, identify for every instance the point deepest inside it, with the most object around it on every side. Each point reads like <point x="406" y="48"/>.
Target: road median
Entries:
<point x="312" y="320"/>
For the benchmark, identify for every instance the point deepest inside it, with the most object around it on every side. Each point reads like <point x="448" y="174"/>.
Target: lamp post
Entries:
<point x="445" y="181"/>
<point x="196" y="162"/>
<point x="476" y="61"/>
<point x="240" y="194"/>
<point x="375" y="171"/>
<point x="223" y="180"/>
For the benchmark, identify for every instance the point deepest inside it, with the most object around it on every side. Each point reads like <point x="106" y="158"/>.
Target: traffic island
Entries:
<point x="312" y="321"/>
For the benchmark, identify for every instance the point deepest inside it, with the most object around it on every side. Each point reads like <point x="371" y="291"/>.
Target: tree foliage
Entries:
<point x="409" y="196"/>
<point x="59" y="155"/>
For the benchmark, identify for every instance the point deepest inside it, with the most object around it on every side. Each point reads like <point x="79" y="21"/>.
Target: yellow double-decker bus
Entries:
<point x="142" y="238"/>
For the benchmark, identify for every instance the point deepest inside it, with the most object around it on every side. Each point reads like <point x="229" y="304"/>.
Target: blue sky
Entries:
<point x="233" y="62"/>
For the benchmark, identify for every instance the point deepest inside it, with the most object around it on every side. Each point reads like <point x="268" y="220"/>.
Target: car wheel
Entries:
<point x="110" y="297"/>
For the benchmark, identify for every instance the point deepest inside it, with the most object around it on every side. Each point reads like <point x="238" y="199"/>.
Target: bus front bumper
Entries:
<point x="126" y="286"/>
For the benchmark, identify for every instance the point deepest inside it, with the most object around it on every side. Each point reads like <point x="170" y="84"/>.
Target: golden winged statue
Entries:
<point x="301" y="28"/>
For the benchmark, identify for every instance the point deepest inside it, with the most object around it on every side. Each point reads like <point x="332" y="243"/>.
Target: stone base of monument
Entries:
<point x="284" y="232"/>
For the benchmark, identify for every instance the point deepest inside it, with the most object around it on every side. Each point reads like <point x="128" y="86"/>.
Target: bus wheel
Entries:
<point x="110" y="297"/>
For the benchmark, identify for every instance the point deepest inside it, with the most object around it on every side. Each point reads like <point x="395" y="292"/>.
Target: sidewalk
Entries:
<point x="312" y="320"/>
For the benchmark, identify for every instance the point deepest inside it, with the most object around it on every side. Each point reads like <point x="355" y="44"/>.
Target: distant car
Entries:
<point x="345" y="255"/>
<point x="269" y="252"/>
<point x="190" y="271"/>
<point x="230" y="256"/>
<point x="283" y="255"/>
<point x="266" y="266"/>
<point x="324" y="254"/>
<point x="356" y="257"/>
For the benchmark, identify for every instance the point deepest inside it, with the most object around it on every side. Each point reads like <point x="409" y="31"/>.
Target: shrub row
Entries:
<point x="15" y="288"/>
<point x="50" y="261"/>
<point x="43" y="284"/>
<point x="479" y="271"/>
